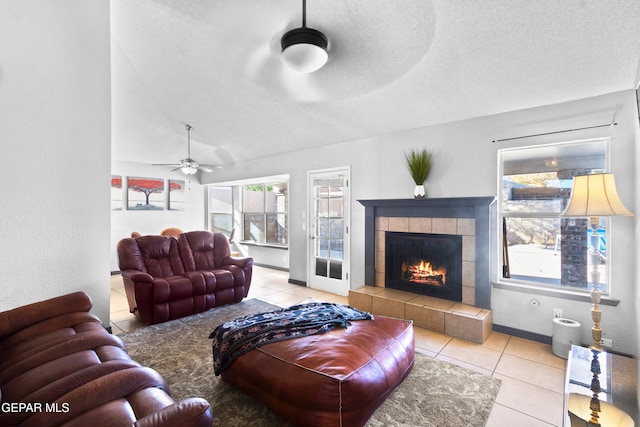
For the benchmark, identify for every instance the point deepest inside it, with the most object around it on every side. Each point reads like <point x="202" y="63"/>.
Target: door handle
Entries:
<point x="312" y="237"/>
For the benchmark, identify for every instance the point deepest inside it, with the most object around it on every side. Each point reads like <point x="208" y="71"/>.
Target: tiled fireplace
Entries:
<point x="465" y="314"/>
<point x="423" y="263"/>
<point x="463" y="228"/>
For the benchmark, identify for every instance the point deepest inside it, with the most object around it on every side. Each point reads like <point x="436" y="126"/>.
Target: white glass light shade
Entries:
<point x="305" y="57"/>
<point x="304" y="49"/>
<point x="595" y="196"/>
<point x="188" y="170"/>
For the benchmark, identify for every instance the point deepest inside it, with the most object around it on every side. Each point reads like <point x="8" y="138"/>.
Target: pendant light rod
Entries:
<point x="304" y="13"/>
<point x="189" y="127"/>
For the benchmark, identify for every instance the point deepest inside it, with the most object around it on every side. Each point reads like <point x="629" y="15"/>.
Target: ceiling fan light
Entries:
<point x="304" y="49"/>
<point x="188" y="170"/>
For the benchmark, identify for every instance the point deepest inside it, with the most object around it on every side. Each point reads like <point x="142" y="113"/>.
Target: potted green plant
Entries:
<point x="419" y="164"/>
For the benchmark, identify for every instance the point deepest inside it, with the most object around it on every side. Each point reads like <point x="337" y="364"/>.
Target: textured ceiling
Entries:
<point x="394" y="65"/>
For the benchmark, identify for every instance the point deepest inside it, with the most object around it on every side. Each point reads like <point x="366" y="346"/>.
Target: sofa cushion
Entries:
<point x="20" y="318"/>
<point x="18" y="365"/>
<point x="160" y="255"/>
<point x="203" y="250"/>
<point x="129" y="255"/>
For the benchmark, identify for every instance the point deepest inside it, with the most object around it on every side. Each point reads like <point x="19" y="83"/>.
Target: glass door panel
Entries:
<point x="328" y="230"/>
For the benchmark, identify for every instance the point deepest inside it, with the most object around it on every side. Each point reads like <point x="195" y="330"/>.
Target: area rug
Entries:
<point x="435" y="393"/>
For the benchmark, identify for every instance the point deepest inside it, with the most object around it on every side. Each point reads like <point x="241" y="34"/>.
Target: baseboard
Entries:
<point x="297" y="282"/>
<point x="292" y="281"/>
<point x="272" y="267"/>
<point x="544" y="338"/>
<point x="522" y="334"/>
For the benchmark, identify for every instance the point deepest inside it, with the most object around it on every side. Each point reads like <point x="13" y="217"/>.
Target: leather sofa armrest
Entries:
<point x="192" y="412"/>
<point x="19" y="318"/>
<point x="137" y="276"/>
<point x="241" y="262"/>
<point x="139" y="287"/>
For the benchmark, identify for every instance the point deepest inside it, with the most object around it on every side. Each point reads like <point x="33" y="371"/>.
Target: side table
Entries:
<point x="617" y="379"/>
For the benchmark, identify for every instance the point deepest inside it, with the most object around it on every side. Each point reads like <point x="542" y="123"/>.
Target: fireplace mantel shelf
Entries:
<point x="438" y="201"/>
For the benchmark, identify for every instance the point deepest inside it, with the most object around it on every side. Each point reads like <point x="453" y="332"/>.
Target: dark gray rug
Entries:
<point x="434" y="394"/>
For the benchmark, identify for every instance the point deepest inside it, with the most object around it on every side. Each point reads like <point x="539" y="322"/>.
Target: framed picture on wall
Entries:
<point x="116" y="193"/>
<point x="145" y="194"/>
<point x="176" y="195"/>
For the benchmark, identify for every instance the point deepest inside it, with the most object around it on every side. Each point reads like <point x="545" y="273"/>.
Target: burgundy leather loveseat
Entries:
<point x="60" y="366"/>
<point x="167" y="278"/>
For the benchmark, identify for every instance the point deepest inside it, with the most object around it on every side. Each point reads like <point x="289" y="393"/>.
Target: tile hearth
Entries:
<point x="446" y="317"/>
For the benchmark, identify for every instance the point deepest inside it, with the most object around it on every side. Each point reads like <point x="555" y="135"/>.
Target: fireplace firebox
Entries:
<point x="423" y="263"/>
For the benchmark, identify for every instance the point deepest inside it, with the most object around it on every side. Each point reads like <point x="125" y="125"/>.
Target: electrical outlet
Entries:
<point x="557" y="313"/>
<point x="606" y="342"/>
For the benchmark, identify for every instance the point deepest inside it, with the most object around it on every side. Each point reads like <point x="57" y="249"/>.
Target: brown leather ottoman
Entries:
<point x="338" y="378"/>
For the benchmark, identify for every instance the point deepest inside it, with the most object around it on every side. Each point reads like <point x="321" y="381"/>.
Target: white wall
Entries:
<point x="55" y="142"/>
<point x="466" y="165"/>
<point x="123" y="222"/>
<point x="264" y="255"/>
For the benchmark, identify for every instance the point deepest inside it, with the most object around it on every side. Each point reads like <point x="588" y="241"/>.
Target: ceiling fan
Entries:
<point x="188" y="166"/>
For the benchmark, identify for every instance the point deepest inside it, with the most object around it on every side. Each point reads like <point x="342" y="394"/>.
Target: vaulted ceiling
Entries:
<point x="393" y="65"/>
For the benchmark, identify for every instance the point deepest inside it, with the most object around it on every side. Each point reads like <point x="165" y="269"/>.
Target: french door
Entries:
<point x="328" y="226"/>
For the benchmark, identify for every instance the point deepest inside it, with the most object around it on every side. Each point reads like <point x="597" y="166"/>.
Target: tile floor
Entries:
<point x="532" y="376"/>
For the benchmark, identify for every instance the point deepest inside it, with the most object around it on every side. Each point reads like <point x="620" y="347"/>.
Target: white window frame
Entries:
<point x="532" y="285"/>
<point x="264" y="213"/>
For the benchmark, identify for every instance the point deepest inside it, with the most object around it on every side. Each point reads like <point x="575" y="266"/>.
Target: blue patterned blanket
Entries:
<point x="239" y="336"/>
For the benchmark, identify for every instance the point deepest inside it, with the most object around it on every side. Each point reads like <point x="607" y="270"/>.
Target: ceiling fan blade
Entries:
<point x="166" y="164"/>
<point x="205" y="169"/>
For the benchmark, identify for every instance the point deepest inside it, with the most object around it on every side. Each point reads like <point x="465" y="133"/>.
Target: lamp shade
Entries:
<point x="595" y="195"/>
<point x="304" y="49"/>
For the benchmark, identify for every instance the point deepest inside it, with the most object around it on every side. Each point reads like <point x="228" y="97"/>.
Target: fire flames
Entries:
<point x="424" y="273"/>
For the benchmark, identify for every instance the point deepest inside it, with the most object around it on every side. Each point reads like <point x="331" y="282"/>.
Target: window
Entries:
<point x="221" y="210"/>
<point x="264" y="213"/>
<point x="538" y="246"/>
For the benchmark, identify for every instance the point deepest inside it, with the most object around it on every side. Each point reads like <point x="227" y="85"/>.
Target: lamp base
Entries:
<point x="596" y="313"/>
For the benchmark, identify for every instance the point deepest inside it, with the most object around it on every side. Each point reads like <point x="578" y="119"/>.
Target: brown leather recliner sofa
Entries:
<point x="60" y="366"/>
<point x="167" y="278"/>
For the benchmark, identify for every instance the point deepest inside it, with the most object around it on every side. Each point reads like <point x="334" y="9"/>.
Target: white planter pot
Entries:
<point x="419" y="192"/>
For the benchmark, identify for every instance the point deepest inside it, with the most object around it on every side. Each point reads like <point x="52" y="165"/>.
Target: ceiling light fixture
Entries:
<point x="304" y="49"/>
<point x="188" y="170"/>
<point x="188" y="166"/>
